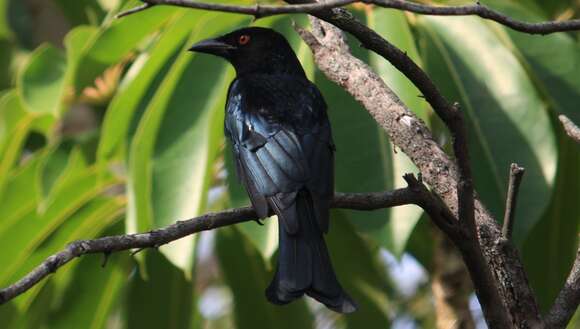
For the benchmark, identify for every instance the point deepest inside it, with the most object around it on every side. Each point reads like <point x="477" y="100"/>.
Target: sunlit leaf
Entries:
<point x="87" y="223"/>
<point x="553" y="62"/>
<point x="139" y="79"/>
<point x="15" y="124"/>
<point x="38" y="226"/>
<point x="116" y="40"/>
<point x="41" y="83"/>
<point x="508" y="122"/>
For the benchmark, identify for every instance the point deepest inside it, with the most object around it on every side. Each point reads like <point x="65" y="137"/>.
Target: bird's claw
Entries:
<point x="259" y="221"/>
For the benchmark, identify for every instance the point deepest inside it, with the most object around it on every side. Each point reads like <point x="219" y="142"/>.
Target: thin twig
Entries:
<point x="137" y="9"/>
<point x="482" y="11"/>
<point x="571" y="129"/>
<point x="153" y="239"/>
<point x="567" y="302"/>
<point x="478" y="9"/>
<point x="516" y="175"/>
<point x="258" y="11"/>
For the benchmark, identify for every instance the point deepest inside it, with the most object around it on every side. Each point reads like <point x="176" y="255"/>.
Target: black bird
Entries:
<point x="276" y="121"/>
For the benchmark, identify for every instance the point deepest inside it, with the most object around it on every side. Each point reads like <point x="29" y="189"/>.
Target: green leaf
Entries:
<point x="236" y="252"/>
<point x="178" y="137"/>
<point x="76" y="166"/>
<point x="24" y="194"/>
<point x="37" y="312"/>
<point x="553" y="61"/>
<point x="37" y="227"/>
<point x="41" y="82"/>
<point x="138" y="81"/>
<point x="506" y="117"/>
<point x="402" y="220"/>
<point x="171" y="293"/>
<point x="552" y="244"/>
<point x="6" y="58"/>
<point x="4" y="28"/>
<point x="81" y="11"/>
<point x="15" y="125"/>
<point x="87" y="223"/>
<point x="116" y="39"/>
<point x="92" y="294"/>
<point x="359" y="274"/>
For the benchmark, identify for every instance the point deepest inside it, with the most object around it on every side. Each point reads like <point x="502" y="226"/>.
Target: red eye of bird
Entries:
<point x="244" y="39"/>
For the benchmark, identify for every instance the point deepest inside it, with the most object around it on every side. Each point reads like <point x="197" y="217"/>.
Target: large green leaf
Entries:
<point x="15" y="124"/>
<point x="37" y="313"/>
<point x="116" y="39"/>
<point x="402" y="220"/>
<point x="139" y="79"/>
<point x="92" y="294"/>
<point x="25" y="193"/>
<point x="37" y="227"/>
<point x="358" y="272"/>
<point x="553" y="61"/>
<point x="178" y="137"/>
<point x="553" y="242"/>
<point x="41" y="83"/>
<point x="86" y="223"/>
<point x="6" y="57"/>
<point x="507" y="120"/>
<point x="245" y="272"/>
<point x="81" y="11"/>
<point x="4" y="28"/>
<point x="164" y="300"/>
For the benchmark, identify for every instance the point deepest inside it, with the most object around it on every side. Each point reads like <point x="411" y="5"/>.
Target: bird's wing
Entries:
<point x="278" y="155"/>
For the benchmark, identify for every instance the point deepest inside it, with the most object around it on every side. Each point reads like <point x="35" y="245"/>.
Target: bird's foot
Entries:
<point x="259" y="221"/>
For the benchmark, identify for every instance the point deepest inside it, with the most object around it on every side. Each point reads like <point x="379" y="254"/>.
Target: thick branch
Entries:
<point x="571" y="129"/>
<point x="516" y="175"/>
<point x="416" y="193"/>
<point x="332" y="56"/>
<point x="414" y="138"/>
<point x="309" y="8"/>
<point x="567" y="302"/>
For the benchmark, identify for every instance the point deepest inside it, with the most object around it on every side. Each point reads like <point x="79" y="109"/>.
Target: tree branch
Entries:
<point x="309" y="8"/>
<point x="516" y="175"/>
<point x="332" y="56"/>
<point x="571" y="129"/>
<point x="257" y="10"/>
<point x="567" y="302"/>
<point x="416" y="193"/>
<point x="411" y="135"/>
<point x="482" y="11"/>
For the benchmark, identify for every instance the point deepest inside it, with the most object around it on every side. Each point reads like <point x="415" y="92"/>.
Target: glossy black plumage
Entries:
<point x="276" y="121"/>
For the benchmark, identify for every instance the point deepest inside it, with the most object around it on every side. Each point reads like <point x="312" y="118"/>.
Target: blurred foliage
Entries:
<point x="109" y="126"/>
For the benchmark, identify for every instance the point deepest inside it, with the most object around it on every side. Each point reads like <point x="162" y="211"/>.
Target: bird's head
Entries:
<point x="253" y="50"/>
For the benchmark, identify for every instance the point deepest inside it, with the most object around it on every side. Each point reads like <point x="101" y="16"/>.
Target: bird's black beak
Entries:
<point x="212" y="46"/>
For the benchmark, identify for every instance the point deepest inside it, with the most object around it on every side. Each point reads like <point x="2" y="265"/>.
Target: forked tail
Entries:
<point x="304" y="265"/>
